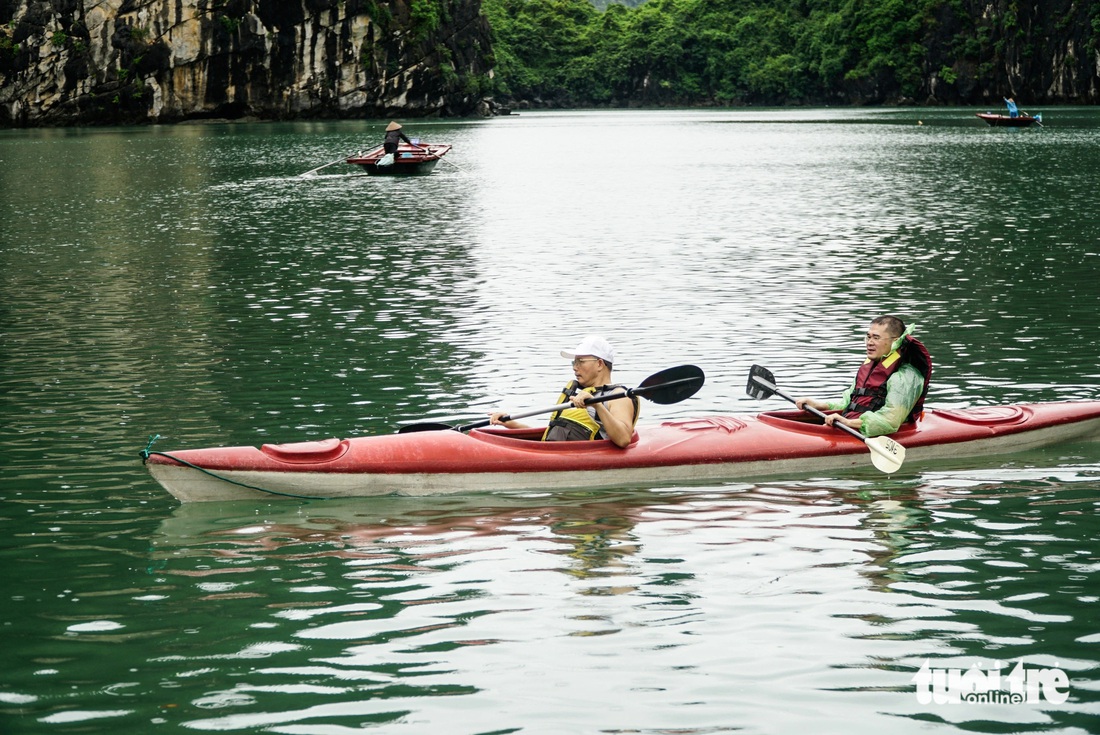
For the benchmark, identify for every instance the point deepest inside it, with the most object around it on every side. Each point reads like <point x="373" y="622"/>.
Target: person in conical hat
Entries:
<point x="394" y="136"/>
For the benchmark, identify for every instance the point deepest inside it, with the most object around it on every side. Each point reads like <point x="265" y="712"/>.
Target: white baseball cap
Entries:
<point x="594" y="345"/>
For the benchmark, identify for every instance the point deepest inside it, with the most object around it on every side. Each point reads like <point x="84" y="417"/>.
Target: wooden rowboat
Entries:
<point x="409" y="160"/>
<point x="1004" y="121"/>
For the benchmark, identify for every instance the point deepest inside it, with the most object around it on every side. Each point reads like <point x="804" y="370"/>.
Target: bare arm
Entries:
<point x="617" y="418"/>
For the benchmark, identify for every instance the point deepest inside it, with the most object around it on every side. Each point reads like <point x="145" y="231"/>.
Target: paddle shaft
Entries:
<point x="820" y="414"/>
<point x="630" y="392"/>
<point x="551" y="409"/>
<point x="668" y="386"/>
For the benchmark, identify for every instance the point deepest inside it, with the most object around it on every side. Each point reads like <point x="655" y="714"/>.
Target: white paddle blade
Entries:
<point x="886" y="454"/>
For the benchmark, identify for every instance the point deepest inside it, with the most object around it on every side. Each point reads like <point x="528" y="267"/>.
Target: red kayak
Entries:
<point x="701" y="450"/>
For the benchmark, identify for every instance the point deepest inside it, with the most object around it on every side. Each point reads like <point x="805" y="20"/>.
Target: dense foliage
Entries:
<point x="767" y="51"/>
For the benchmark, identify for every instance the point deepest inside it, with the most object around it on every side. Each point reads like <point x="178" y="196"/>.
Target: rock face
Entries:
<point x="1040" y="51"/>
<point x="66" y="62"/>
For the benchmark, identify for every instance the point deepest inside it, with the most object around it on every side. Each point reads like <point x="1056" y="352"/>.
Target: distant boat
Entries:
<point x="1004" y="121"/>
<point x="409" y="160"/>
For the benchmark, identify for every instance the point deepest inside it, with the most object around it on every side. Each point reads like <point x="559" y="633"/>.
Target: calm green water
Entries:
<point x="187" y="281"/>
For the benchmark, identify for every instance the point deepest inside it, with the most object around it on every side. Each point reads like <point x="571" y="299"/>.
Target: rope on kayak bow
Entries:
<point x="148" y="447"/>
<point x="148" y="452"/>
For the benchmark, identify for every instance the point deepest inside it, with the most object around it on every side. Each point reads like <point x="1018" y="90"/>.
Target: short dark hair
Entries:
<point x="894" y="325"/>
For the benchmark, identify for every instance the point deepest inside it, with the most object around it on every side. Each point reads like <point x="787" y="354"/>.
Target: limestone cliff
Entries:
<point x="1042" y="51"/>
<point x="65" y="62"/>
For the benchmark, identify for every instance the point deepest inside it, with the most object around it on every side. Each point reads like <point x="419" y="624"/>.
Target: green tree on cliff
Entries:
<point x="773" y="52"/>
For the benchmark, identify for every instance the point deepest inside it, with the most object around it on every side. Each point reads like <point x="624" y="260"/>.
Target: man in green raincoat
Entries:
<point x="890" y="386"/>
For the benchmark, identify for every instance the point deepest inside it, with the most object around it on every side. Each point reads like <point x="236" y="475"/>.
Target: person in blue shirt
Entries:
<point x="1011" y="104"/>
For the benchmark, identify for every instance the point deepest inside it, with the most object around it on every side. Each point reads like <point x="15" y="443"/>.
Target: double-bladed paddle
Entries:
<point x="668" y="386"/>
<point x="886" y="454"/>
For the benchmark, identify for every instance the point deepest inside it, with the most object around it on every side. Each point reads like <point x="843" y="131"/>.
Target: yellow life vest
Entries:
<point x="581" y="424"/>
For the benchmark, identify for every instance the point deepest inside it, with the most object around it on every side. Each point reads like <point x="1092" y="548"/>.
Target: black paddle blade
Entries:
<point x="761" y="382"/>
<point x="672" y="385"/>
<point x="413" y="428"/>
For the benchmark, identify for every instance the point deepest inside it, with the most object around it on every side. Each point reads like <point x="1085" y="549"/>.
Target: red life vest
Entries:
<point x="869" y="393"/>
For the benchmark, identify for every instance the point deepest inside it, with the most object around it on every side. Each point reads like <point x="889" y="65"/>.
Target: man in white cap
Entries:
<point x="592" y="362"/>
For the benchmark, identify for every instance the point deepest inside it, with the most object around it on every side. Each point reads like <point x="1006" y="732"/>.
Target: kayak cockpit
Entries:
<point x="979" y="416"/>
<point x="806" y="423"/>
<point x="532" y="439"/>
<point x="793" y="421"/>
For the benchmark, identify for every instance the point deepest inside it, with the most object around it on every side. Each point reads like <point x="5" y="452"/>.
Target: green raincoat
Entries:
<point x="903" y="389"/>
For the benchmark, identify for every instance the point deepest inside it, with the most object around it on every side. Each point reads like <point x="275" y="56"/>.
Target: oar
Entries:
<point x="330" y="163"/>
<point x="444" y="159"/>
<point x="886" y="454"/>
<point x="668" y="386"/>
